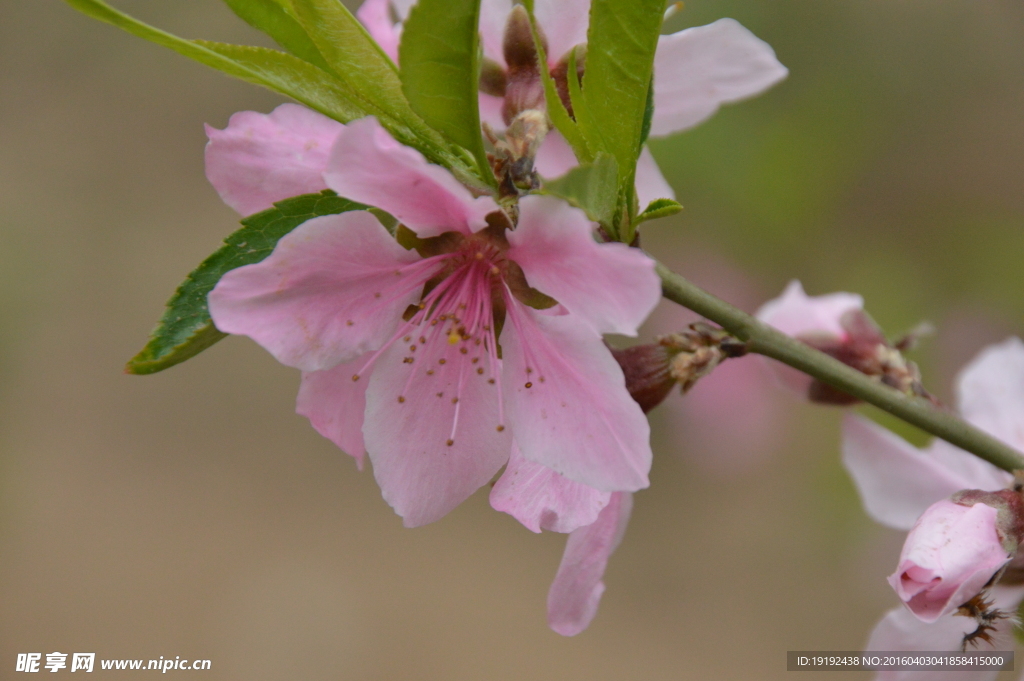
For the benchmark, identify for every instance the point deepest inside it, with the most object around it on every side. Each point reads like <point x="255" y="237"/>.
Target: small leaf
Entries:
<point x="659" y="208"/>
<point x="185" y="330"/>
<point x="439" y="59"/>
<point x="591" y="187"/>
<point x="274" y="18"/>
<point x="621" y="42"/>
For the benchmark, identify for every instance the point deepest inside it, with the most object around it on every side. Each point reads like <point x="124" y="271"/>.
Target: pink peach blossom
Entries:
<point x="413" y="339"/>
<point x="696" y="70"/>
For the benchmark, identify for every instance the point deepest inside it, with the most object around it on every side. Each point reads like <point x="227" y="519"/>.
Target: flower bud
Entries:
<point x="646" y="368"/>
<point x="955" y="550"/>
<point x="652" y="370"/>
<point x="523" y="87"/>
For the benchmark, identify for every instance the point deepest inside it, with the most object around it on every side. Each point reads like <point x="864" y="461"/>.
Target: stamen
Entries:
<point x="401" y="400"/>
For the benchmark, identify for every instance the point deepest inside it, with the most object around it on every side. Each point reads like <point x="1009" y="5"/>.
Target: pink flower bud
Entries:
<point x="951" y="554"/>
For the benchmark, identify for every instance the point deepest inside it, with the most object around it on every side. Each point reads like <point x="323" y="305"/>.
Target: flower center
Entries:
<point x="452" y="332"/>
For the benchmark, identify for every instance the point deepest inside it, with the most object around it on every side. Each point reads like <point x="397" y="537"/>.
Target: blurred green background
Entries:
<point x="192" y="513"/>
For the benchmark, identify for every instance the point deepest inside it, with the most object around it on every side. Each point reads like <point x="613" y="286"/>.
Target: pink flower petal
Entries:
<point x="262" y="158"/>
<point x="565" y="24"/>
<point x="699" y="69"/>
<point x="335" y="405"/>
<point x="420" y="475"/>
<point x="540" y="498"/>
<point x="576" y="416"/>
<point x="369" y="166"/>
<point x="493" y="16"/>
<point x="650" y="183"/>
<point x="375" y="15"/>
<point x="490" y="111"/>
<point x="611" y="286"/>
<point x="990" y="391"/>
<point x="577" y="588"/>
<point x="327" y="294"/>
<point x="900" y="631"/>
<point x="898" y="481"/>
<point x="555" y="157"/>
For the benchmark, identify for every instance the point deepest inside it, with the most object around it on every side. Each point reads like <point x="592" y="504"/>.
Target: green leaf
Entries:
<point x="185" y="330"/>
<point x="621" y="42"/>
<point x="439" y="57"/>
<point x="275" y="70"/>
<point x="659" y="208"/>
<point x="342" y="100"/>
<point x="591" y="187"/>
<point x="274" y="18"/>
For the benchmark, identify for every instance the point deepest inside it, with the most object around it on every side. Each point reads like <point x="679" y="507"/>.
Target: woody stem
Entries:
<point x="770" y="342"/>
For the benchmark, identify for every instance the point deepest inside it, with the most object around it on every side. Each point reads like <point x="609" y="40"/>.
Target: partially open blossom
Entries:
<point x="696" y="70"/>
<point x="413" y="336"/>
<point x="899" y="483"/>
<point x="837" y="325"/>
<point x="949" y="556"/>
